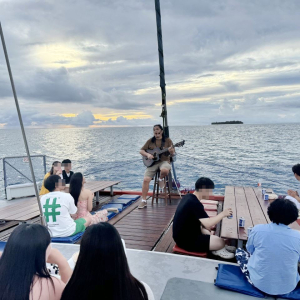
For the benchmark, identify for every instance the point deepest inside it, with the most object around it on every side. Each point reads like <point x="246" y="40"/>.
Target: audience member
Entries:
<point x="294" y="195"/>
<point x="83" y="199"/>
<point x="23" y="272"/>
<point x="274" y="251"/>
<point x="58" y="208"/>
<point x="191" y="224"/>
<point x="55" y="170"/>
<point x="102" y="269"/>
<point x="67" y="173"/>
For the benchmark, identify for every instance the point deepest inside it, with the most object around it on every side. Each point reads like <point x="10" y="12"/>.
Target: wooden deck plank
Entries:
<point x="264" y="204"/>
<point x="255" y="208"/>
<point x="229" y="226"/>
<point x="242" y="209"/>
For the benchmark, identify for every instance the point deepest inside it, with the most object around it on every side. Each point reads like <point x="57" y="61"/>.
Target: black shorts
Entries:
<point x="199" y="244"/>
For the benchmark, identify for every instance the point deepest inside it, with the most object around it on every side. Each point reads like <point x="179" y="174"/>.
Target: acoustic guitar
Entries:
<point x="157" y="152"/>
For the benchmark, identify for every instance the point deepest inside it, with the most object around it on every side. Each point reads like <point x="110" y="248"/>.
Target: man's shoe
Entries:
<point x="223" y="253"/>
<point x="142" y="204"/>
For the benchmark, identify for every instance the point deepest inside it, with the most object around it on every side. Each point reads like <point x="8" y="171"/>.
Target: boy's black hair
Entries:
<point x="296" y="169"/>
<point x="283" y="211"/>
<point x="51" y="182"/>
<point x="204" y="183"/>
<point x="66" y="161"/>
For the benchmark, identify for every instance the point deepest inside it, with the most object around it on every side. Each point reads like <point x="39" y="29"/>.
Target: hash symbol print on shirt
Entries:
<point x="53" y="213"/>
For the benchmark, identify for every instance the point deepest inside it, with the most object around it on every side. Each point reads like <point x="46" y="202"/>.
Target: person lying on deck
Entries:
<point x="271" y="263"/>
<point x="55" y="170"/>
<point x="58" y="208"/>
<point x="102" y="271"/>
<point x="83" y="200"/>
<point x="23" y="271"/>
<point x="191" y="224"/>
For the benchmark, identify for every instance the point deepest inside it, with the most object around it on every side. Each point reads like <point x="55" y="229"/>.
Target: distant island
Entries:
<point x="227" y="122"/>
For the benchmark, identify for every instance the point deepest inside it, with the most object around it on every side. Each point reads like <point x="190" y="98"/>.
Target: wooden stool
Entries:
<point x="156" y="188"/>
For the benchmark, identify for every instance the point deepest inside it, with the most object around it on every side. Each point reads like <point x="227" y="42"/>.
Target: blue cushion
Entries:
<point x="69" y="239"/>
<point x="131" y="197"/>
<point x="124" y="202"/>
<point x="110" y="215"/>
<point x="113" y="205"/>
<point x="2" y="245"/>
<point x="294" y="295"/>
<point x="231" y="278"/>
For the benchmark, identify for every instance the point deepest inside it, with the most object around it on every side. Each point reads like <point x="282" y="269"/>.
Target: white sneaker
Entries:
<point x="142" y="204"/>
<point x="161" y="183"/>
<point x="223" y="253"/>
<point x="231" y="249"/>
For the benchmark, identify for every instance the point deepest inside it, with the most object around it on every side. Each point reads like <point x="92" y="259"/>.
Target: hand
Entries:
<point x="292" y="193"/>
<point x="150" y="156"/>
<point x="227" y="212"/>
<point x="58" y="172"/>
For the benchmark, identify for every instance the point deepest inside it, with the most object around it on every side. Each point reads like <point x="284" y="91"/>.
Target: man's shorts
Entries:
<point x="150" y="171"/>
<point x="79" y="226"/>
<point x="200" y="244"/>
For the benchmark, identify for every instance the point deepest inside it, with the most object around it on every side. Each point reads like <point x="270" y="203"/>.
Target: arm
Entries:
<point x="209" y="222"/>
<point x="250" y="244"/>
<point x="294" y="194"/>
<point x="90" y="201"/>
<point x="55" y="257"/>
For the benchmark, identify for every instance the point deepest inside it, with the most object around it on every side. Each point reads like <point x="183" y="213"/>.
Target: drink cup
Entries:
<point x="230" y="217"/>
<point x="263" y="191"/>
<point x="266" y="197"/>
<point x="241" y="222"/>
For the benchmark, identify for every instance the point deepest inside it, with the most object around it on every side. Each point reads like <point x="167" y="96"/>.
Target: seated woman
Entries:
<point x="83" y="199"/>
<point x="23" y="272"/>
<point x="55" y="170"/>
<point x="274" y="251"/>
<point x="102" y="269"/>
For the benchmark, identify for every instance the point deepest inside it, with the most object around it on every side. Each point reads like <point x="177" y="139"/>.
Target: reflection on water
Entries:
<point x="264" y="151"/>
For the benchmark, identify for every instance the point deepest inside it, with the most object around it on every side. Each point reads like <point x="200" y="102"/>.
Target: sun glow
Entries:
<point x="59" y="55"/>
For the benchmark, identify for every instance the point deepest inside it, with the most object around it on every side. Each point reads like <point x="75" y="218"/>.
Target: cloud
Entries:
<point x="222" y="60"/>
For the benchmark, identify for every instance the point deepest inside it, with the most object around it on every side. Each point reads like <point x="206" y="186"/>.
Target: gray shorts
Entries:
<point x="150" y="171"/>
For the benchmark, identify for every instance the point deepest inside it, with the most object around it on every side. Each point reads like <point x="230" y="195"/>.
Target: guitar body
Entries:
<point x="156" y="153"/>
<point x="150" y="162"/>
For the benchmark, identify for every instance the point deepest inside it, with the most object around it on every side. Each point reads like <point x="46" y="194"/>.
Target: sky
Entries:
<point x="91" y="63"/>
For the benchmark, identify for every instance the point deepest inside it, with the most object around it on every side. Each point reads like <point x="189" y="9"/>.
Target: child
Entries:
<point x="67" y="173"/>
<point x="58" y="208"/>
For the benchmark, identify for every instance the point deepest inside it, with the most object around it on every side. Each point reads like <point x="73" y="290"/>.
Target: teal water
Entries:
<point x="228" y="154"/>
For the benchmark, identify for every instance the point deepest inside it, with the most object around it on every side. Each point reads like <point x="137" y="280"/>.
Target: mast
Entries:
<point x="22" y="126"/>
<point x="161" y="68"/>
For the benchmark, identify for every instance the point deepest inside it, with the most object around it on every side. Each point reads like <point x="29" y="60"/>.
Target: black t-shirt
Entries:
<point x="66" y="177"/>
<point x="186" y="224"/>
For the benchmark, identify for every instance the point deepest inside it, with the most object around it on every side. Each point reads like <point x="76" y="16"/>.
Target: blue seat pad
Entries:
<point x="131" y="197"/>
<point x="110" y="215"/>
<point x="69" y="239"/>
<point x="124" y="202"/>
<point x="2" y="246"/>
<point x="231" y="278"/>
<point x="113" y="205"/>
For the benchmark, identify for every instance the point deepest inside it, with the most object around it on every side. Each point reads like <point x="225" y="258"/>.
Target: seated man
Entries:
<point x="274" y="248"/>
<point x="67" y="173"/>
<point x="191" y="223"/>
<point x="58" y="208"/>
<point x="294" y="195"/>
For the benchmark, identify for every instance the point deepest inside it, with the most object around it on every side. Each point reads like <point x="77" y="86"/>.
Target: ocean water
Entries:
<point x="228" y="154"/>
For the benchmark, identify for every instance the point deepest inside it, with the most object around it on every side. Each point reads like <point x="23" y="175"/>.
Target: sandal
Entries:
<point x="223" y="253"/>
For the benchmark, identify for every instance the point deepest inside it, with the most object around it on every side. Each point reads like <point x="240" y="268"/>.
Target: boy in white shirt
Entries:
<point x="58" y="208"/>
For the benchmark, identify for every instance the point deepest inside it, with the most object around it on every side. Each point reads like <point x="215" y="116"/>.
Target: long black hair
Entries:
<point x="24" y="257"/>
<point x="102" y="270"/>
<point x="54" y="165"/>
<point x="76" y="186"/>
<point x="163" y="134"/>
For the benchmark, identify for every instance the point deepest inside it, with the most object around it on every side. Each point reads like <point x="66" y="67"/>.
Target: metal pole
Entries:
<point x="162" y="68"/>
<point x="22" y="126"/>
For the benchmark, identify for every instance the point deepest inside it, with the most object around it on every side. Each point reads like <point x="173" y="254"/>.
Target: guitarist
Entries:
<point x="158" y="140"/>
